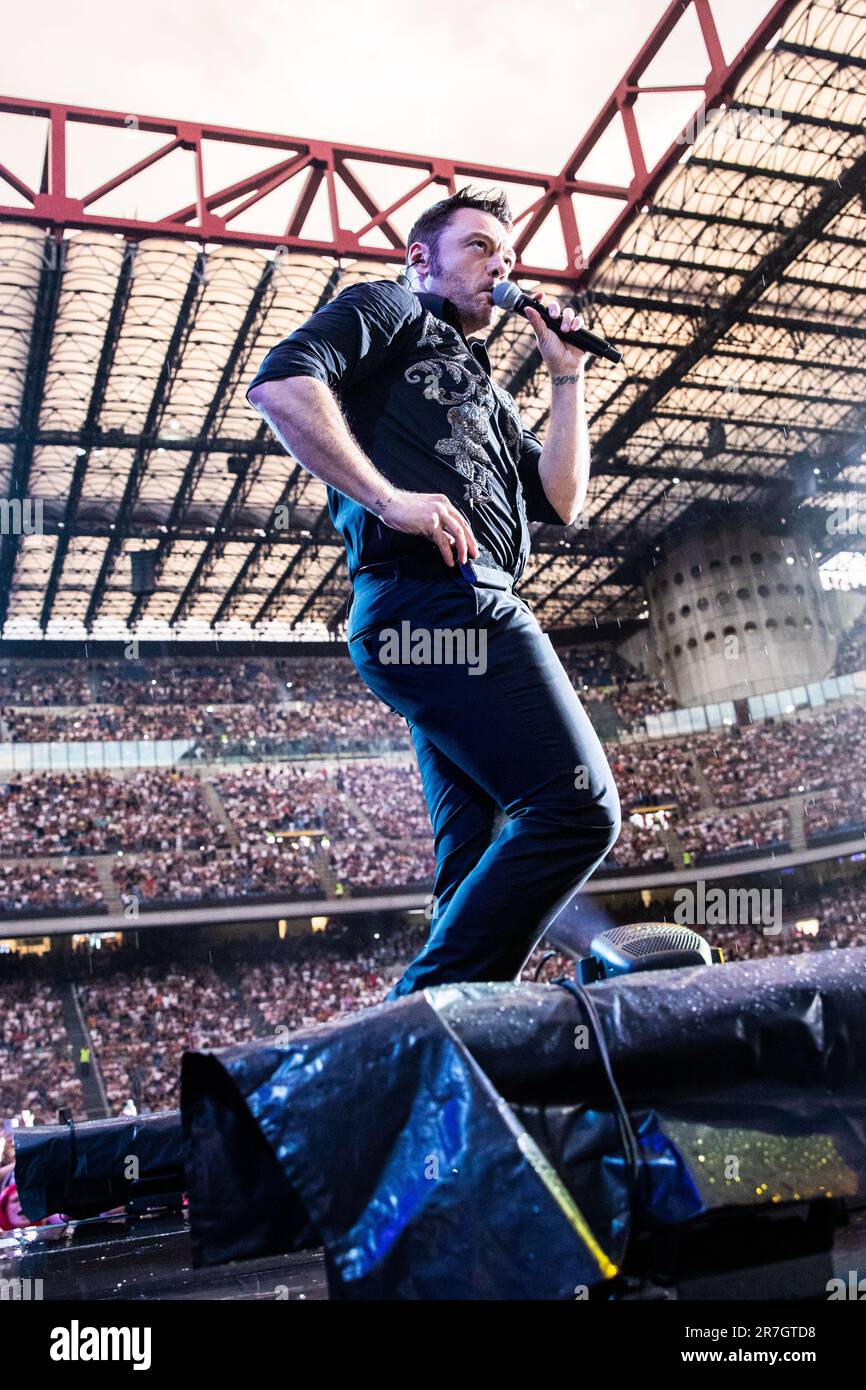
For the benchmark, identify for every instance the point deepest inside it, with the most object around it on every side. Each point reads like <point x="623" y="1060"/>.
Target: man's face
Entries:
<point x="473" y="255"/>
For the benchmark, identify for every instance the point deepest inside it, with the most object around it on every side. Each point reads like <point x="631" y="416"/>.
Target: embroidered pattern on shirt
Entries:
<point x="466" y="447"/>
<point x="436" y="334"/>
<point x="470" y="402"/>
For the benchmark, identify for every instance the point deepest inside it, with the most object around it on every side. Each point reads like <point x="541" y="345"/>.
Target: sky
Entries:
<point x="508" y="83"/>
<point x="466" y="78"/>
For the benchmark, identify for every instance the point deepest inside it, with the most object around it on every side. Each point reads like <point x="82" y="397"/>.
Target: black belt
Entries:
<point x="420" y="567"/>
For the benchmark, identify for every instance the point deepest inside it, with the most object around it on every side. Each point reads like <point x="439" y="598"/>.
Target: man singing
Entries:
<point x="432" y="481"/>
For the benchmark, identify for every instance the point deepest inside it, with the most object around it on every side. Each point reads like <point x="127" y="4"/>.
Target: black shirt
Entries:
<point x="420" y="401"/>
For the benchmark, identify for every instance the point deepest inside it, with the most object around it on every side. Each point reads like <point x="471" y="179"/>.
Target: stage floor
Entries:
<point x="149" y="1258"/>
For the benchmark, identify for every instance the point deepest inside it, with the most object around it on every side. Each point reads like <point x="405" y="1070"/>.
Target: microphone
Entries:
<point x="507" y="296"/>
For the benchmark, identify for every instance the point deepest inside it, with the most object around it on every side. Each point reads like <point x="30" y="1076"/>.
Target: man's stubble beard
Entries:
<point x="461" y="297"/>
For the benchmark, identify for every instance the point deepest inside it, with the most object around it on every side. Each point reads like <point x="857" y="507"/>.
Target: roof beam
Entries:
<point x="719" y="219"/>
<point x="250" y="566"/>
<point x="716" y="85"/>
<point x="738" y="422"/>
<point x="805" y="118"/>
<point x="711" y="268"/>
<point x="211" y="216"/>
<point x="42" y="326"/>
<point x="768" y="392"/>
<point x="741" y="355"/>
<point x="113" y="328"/>
<point x="643" y="304"/>
<point x="215" y="412"/>
<point x="738" y="306"/>
<point x="762" y="171"/>
<point x="313" y="543"/>
<point x="215" y="547"/>
<point x="319" y="590"/>
<point x="823" y="55"/>
<point x="144" y="443"/>
<point x="575" y="574"/>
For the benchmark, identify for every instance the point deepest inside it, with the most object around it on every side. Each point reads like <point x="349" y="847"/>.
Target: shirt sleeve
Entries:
<point x="538" y="506"/>
<point x="346" y="340"/>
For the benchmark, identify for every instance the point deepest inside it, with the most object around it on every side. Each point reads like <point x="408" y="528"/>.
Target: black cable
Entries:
<point x="631" y="1148"/>
<point x="544" y="959"/>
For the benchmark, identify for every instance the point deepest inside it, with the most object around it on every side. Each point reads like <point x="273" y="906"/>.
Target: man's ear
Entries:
<point x="418" y="258"/>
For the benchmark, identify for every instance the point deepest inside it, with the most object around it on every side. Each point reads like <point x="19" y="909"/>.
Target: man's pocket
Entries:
<point x="379" y="603"/>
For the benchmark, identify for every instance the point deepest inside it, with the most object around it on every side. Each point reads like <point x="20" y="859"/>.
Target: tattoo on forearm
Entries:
<point x="566" y="380"/>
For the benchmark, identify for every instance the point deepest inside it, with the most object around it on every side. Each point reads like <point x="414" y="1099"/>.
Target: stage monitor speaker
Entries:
<point x="645" y="946"/>
<point x="143" y="572"/>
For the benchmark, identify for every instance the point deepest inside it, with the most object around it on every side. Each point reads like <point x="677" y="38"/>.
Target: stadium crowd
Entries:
<point x="45" y="683"/>
<point x="37" y="1073"/>
<point x="31" y="889"/>
<point x="841" y="809"/>
<point x="137" y="681"/>
<point x="736" y="833"/>
<point x="325" y="726"/>
<point x="633" y="702"/>
<point x="391" y="797"/>
<point x="652" y="774"/>
<point x="364" y="865"/>
<point x="255" y="871"/>
<point x="763" y="762"/>
<point x="107" y="723"/>
<point x="98" y="813"/>
<point x="223" y="836"/>
<point x="140" y="1024"/>
<point x="639" y="846"/>
<point x="269" y="800"/>
<point x="851" y="652"/>
<point x="232" y="731"/>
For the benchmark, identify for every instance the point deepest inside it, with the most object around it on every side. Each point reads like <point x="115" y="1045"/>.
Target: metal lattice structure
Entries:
<point x="728" y="269"/>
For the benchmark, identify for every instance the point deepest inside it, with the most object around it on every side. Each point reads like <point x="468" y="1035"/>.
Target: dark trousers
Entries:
<point x="501" y="729"/>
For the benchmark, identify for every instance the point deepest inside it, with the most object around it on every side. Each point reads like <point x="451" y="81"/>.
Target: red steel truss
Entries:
<point x="321" y="163"/>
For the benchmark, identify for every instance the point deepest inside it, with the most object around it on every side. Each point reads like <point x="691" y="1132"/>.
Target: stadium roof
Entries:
<point x="729" y="270"/>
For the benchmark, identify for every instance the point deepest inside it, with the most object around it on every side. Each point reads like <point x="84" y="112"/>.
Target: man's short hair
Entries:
<point x="430" y="224"/>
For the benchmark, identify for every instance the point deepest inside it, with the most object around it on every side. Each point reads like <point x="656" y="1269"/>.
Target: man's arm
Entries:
<point x="306" y="418"/>
<point x="564" y="464"/>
